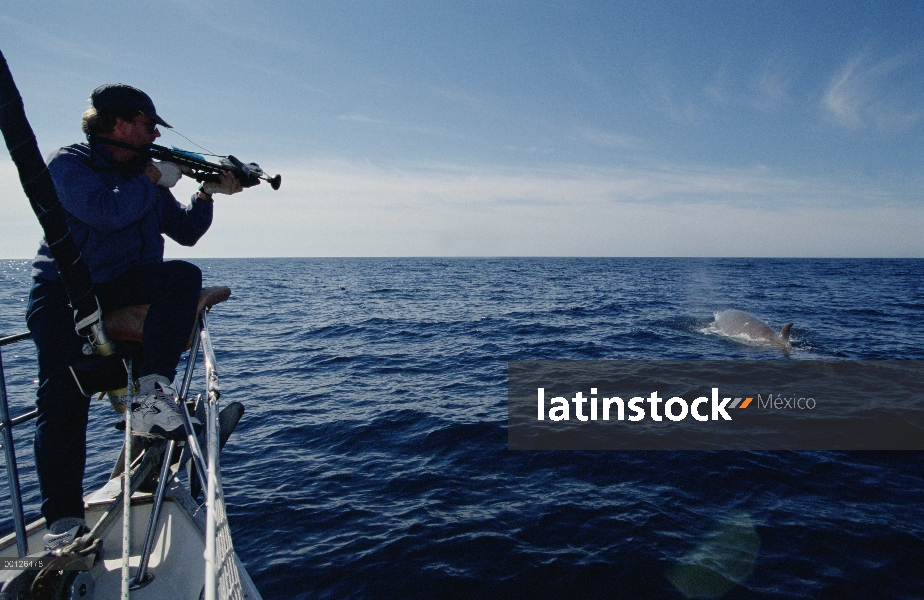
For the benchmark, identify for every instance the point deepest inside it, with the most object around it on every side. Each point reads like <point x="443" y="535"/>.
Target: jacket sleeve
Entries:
<point x="92" y="200"/>
<point x="184" y="224"/>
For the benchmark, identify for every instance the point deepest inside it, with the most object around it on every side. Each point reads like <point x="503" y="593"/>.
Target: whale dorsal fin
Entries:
<point x="784" y="332"/>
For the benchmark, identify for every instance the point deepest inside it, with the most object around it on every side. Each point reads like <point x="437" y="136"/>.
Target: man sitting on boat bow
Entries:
<point x="118" y="205"/>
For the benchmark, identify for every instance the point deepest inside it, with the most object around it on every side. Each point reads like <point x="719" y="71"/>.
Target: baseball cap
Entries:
<point x="118" y="96"/>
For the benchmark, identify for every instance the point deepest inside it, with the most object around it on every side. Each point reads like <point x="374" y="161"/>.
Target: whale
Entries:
<point x="738" y="323"/>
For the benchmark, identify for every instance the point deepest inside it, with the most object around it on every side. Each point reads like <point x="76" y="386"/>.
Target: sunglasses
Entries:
<point x="149" y="126"/>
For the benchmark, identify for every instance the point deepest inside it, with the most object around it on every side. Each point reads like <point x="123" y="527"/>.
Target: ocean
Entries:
<point x="372" y="459"/>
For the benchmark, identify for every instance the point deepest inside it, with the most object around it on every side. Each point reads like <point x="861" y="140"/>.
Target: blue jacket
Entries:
<point x="116" y="218"/>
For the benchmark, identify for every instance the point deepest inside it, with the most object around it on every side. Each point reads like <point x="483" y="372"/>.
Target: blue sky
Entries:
<point x="511" y="128"/>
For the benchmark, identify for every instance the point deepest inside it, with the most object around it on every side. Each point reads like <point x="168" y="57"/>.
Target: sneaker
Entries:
<point x="154" y="412"/>
<point x="62" y="532"/>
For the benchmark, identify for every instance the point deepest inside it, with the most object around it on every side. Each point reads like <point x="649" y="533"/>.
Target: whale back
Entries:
<point x="739" y="323"/>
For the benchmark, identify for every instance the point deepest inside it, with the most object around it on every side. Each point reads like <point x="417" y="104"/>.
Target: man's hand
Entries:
<point x="163" y="173"/>
<point x="229" y="184"/>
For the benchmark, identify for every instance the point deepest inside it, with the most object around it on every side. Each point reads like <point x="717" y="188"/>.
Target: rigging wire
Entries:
<point x="207" y="152"/>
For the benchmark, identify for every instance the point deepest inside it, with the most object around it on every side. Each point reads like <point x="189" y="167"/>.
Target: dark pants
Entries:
<point x="172" y="289"/>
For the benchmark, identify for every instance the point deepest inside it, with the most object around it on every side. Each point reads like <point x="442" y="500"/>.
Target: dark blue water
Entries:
<point x="372" y="459"/>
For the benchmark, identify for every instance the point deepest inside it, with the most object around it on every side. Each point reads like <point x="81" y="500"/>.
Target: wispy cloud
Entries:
<point x="530" y="149"/>
<point x="359" y="209"/>
<point x="457" y="95"/>
<point x="399" y="126"/>
<point x="608" y="139"/>
<point x="871" y="92"/>
<point x="681" y="110"/>
<point x="82" y="48"/>
<point x="771" y="89"/>
<point x="359" y="119"/>
<point x="342" y="185"/>
<point x="675" y="101"/>
<point x="766" y="89"/>
<point x="247" y="23"/>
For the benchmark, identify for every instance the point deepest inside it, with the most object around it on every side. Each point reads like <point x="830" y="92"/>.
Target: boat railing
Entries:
<point x="12" y="472"/>
<point x="222" y="578"/>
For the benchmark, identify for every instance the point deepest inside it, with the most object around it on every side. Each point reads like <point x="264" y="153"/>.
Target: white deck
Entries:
<point x="177" y="556"/>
